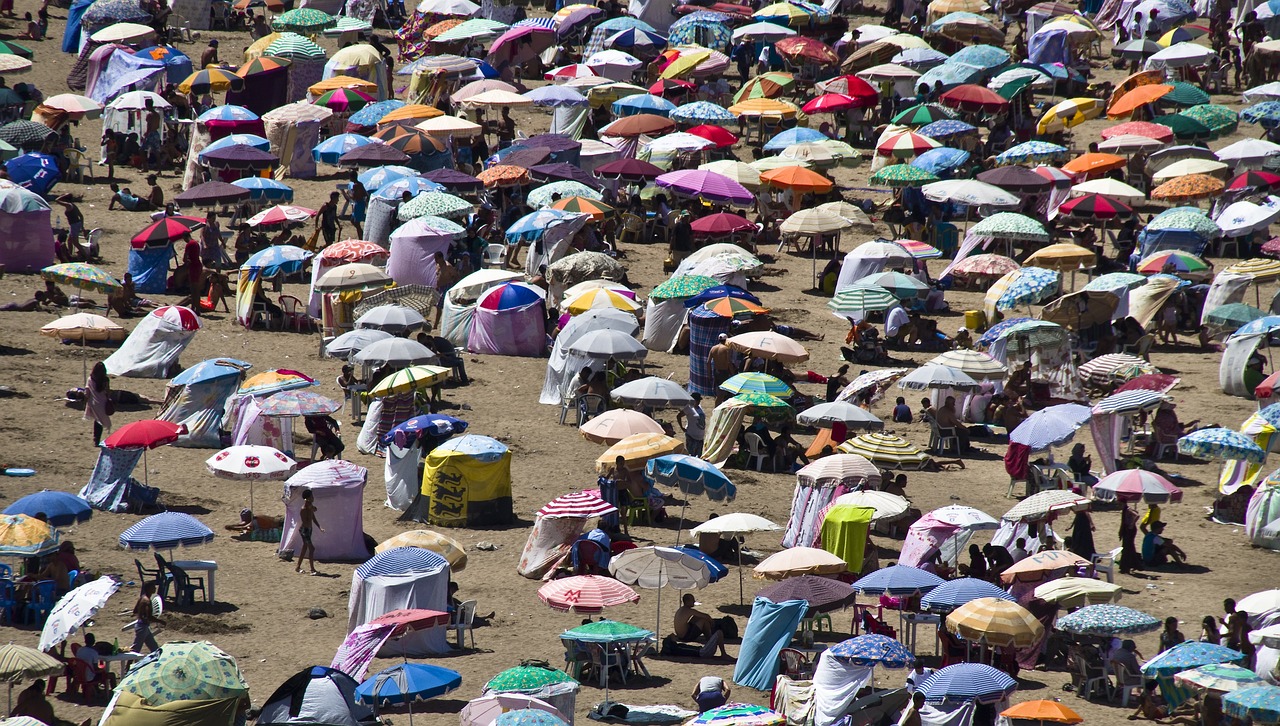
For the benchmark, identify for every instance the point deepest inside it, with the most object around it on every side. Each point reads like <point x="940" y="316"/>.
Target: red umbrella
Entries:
<point x="1271" y="247"/>
<point x="970" y="97"/>
<point x="802" y="47"/>
<point x="412" y="619"/>
<point x="1096" y="206"/>
<point x="830" y="103"/>
<point x="851" y="86"/>
<point x="719" y="225"/>
<point x="145" y="434"/>
<point x="1251" y="180"/>
<point x="638" y="125"/>
<point x="671" y="87"/>
<point x="718" y="135"/>
<point x="585" y="594"/>
<point x="629" y="169"/>
<point x="1158" y="382"/>
<point x="165" y="230"/>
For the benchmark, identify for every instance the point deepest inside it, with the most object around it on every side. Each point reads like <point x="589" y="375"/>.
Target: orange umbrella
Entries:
<point x="442" y="27"/>
<point x="1042" y="711"/>
<point x="329" y="84"/>
<point x="1141" y="78"/>
<point x="1093" y="162"/>
<point x="503" y="175"/>
<point x="796" y="178"/>
<point x="1189" y="188"/>
<point x="411" y="112"/>
<point x="1137" y="98"/>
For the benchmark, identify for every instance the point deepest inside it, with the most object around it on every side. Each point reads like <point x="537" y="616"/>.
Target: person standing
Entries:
<point x="359" y="204"/>
<point x="720" y="357"/>
<point x="97" y="406"/>
<point x="836" y="383"/>
<point x="146" y="612"/>
<point x="694" y="422"/>
<point x="309" y="523"/>
<point x="1129" y="557"/>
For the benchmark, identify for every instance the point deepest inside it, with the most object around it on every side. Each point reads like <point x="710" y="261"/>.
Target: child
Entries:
<point x="309" y="522"/>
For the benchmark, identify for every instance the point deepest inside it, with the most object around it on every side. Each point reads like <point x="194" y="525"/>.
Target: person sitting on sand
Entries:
<point x="31" y="702"/>
<point x="1152" y="710"/>
<point x="51" y="296"/>
<point x="693" y="625"/>
<point x="1158" y="550"/>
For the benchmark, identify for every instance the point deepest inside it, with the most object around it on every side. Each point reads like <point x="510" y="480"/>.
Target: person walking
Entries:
<point x="694" y="422"/>
<point x="146" y="612"/>
<point x="309" y="523"/>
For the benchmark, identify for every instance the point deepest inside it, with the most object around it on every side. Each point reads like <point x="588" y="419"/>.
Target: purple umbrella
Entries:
<point x="373" y="155"/>
<point x="525" y="156"/>
<point x="211" y="194"/>
<point x="706" y="185"/>
<point x="454" y="179"/>
<point x="519" y="45"/>
<point x="823" y="594"/>
<point x="239" y="156"/>
<point x="564" y="172"/>
<point x="557" y="143"/>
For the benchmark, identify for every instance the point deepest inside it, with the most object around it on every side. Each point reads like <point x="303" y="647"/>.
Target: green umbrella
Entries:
<point x="1014" y="87"/>
<point x="756" y="383"/>
<point x="1186" y="218"/>
<point x="8" y="47"/>
<point x="437" y="204"/>
<point x="682" y="286"/>
<point x="1184" y="127"/>
<point x="1185" y="94"/>
<point x="292" y="45"/>
<point x="185" y="671"/>
<point x="921" y="114"/>
<point x="304" y="21"/>
<point x="766" y="406"/>
<point x="903" y="287"/>
<point x="1233" y="315"/>
<point x="1220" y="119"/>
<point x="902" y="175"/>
<point x="526" y="679"/>
<point x="1011" y="225"/>
<point x="861" y="299"/>
<point x="606" y="631"/>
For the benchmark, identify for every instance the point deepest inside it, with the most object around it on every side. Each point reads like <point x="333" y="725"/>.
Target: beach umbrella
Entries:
<point x="905" y="145"/>
<point x="885" y="449"/>
<point x="770" y="346"/>
<point x="1042" y="711"/>
<point x="971" y="97"/>
<point x="797" y="561"/>
<point x="165" y="531"/>
<point x="1051" y="426"/>
<point x="406" y="380"/>
<point x="826" y="415"/>
<point x="1037" y="566"/>
<point x="1187" y="655"/>
<point x="705" y="185"/>
<point x="902" y="175"/>
<point x="1095" y="206"/>
<point x="855" y="300"/>
<point x="933" y="375"/>
<point x="653" y="392"/>
<point x="251" y="463"/>
<point x="840" y="468"/>
<point x="579" y="505"/>
<point x="922" y="115"/>
<point x="752" y="382"/>
<point x="874" y="650"/>
<point x="967" y="682"/>
<point x="797" y="179"/>
<point x="211" y="80"/>
<point x="1039" y="506"/>
<point x="395" y="319"/>
<point x="608" y="344"/>
<point x="1038" y="151"/>
<point x="654" y="568"/>
<point x="298" y="403"/>
<point x="265" y="189"/>
<point x="25" y="536"/>
<point x="693" y="476"/>
<point x="1159" y="382"/>
<point x="185" y="671"/>
<point x="823" y="594"/>
<point x="976" y="364"/>
<point x="526" y="679"/>
<point x="897" y="581"/>
<point x="1218" y="119"/>
<point x="616" y="424"/>
<point x="1261" y="704"/>
<point x="739" y="714"/>
<point x="886" y="507"/>
<point x="60" y="509"/>
<point x="304" y="21"/>
<point x="20" y="663"/>
<point x="737" y="524"/>
<point x="996" y="622"/>
<point x="639" y="448"/>
<point x="145" y="434"/>
<point x="985" y="264"/>
<point x="969" y="192"/>
<point x="1075" y="592"/>
<point x="1222" y="677"/>
<point x="75" y="609"/>
<point x="1062" y="257"/>
<point x="408" y="683"/>
<point x="585" y="594"/>
<point x="1135" y="484"/>
<point x="1221" y="443"/>
<point x="953" y="593"/>
<point x="484" y="711"/>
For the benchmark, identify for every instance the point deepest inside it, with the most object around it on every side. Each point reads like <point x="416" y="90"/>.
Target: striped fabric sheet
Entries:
<point x="578" y="504"/>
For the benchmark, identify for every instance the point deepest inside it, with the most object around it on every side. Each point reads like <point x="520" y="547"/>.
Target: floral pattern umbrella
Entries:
<point x="438" y="204"/>
<point x="526" y="679"/>
<point x="1011" y="225"/>
<point x="299" y="403"/>
<point x="1108" y="620"/>
<point x="1219" y="677"/>
<point x="1259" y="703"/>
<point x="902" y="175"/>
<point x="196" y="671"/>
<point x="683" y="286"/>
<point x="874" y="650"/>
<point x="304" y="21"/>
<point x="986" y="264"/>
<point x="1185" y="218"/>
<point x="1039" y="151"/>
<point x="541" y="197"/>
<point x="1189" y="188"/>
<point x="1033" y="285"/>
<point x="1221" y="443"/>
<point x="83" y="276"/>
<point x="1220" y="119"/>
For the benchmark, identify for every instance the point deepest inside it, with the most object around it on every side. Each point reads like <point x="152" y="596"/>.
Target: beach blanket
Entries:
<point x="705" y="328"/>
<point x="722" y="430"/>
<point x="358" y="649"/>
<point x="1105" y="428"/>
<point x="644" y="714"/>
<point x="768" y="631"/>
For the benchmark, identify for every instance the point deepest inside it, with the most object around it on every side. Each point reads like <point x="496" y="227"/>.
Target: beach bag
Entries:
<point x="729" y="627"/>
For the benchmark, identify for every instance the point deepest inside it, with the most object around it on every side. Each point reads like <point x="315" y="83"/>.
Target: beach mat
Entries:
<point x="662" y="714"/>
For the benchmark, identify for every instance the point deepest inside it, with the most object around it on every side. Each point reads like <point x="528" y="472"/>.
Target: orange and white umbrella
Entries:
<point x="997" y="622"/>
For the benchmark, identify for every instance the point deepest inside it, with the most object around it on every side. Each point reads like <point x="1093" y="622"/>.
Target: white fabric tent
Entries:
<point x="836" y="685"/>
<point x="662" y="322"/>
<point x="338" y="490"/>
<point x="401" y="578"/>
<point x="152" y="349"/>
<point x="401" y="474"/>
<point x="563" y="366"/>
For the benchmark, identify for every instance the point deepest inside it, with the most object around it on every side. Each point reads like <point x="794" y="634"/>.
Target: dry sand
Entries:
<point x="261" y="618"/>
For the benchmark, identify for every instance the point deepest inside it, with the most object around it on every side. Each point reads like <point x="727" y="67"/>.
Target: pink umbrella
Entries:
<point x="575" y="70"/>
<point x="586" y="594"/>
<point x="519" y="45"/>
<point x="179" y="316"/>
<point x="281" y="214"/>
<point x="705" y="185"/>
<point x="830" y="103"/>
<point x="1134" y="484"/>
<point x="584" y="504"/>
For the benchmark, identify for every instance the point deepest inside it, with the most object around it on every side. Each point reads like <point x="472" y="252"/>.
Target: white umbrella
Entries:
<point x="75" y="609"/>
<point x="824" y="415"/>
<point x="1183" y="167"/>
<point x="352" y="276"/>
<point x="1260" y="602"/>
<point x="932" y="375"/>
<point x="680" y="142"/>
<point x="353" y="341"/>
<point x="606" y="343"/>
<point x="738" y="524"/>
<point x="395" y="319"/>
<point x="977" y="364"/>
<point x="652" y="391"/>
<point x="654" y="568"/>
<point x="1181" y="55"/>
<point x="1248" y="151"/>
<point x="970" y="192"/>
<point x="887" y="73"/>
<point x="139" y="101"/>
<point x="1265" y="92"/>
<point x="251" y="463"/>
<point x="762" y="31"/>
<point x="395" y="352"/>
<point x="83" y="327"/>
<point x="1111" y="188"/>
<point x="123" y="33"/>
<point x="888" y="506"/>
<point x="1245" y="218"/>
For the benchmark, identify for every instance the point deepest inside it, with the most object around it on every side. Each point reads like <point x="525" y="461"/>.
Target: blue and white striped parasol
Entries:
<point x="1052" y="426"/>
<point x="897" y="580"/>
<point x="401" y="561"/>
<point x="967" y="682"/>
<point x="693" y="476"/>
<point x="277" y="259"/>
<point x="165" y="531"/>
<point x="954" y="593"/>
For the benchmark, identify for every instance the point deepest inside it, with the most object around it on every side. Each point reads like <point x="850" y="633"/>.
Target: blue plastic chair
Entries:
<point x="8" y="600"/>
<point x="41" y="602"/>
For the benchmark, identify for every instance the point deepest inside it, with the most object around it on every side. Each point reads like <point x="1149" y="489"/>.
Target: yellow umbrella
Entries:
<point x="446" y="547"/>
<point x="1074" y="592"/>
<point x="685" y="63"/>
<point x="19" y="663"/>
<point x="1064" y="257"/>
<point x="638" y="449"/>
<point x="1261" y="270"/>
<point x="413" y="378"/>
<point x="994" y="621"/>
<point x="258" y="48"/>
<point x="939" y="8"/>
<point x="23" y="536"/>
<point x="798" y="561"/>
<point x="1068" y="113"/>
<point x="764" y="107"/>
<point x="601" y="297"/>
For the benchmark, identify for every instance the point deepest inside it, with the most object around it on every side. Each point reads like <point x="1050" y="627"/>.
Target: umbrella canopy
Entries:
<point x="165" y="531"/>
<point x="874" y="650"/>
<point x="250" y="462"/>
<point x="21" y="663"/>
<point x="408" y="683"/>
<point x="1041" y="564"/>
<point x="995" y="621"/>
<point x="24" y="536"/>
<point x="1259" y="703"/>
<point x="185" y="671"/>
<point x="826" y="415"/>
<point x="585" y="594"/>
<point x="1042" y="711"/>
<point x="885" y="449"/>
<point x="840" y="468"/>
<point x="395" y="319"/>
<point x="298" y="403"/>
<point x="739" y="714"/>
<point x="60" y="509"/>
<point x="75" y="609"/>
<point x="933" y="375"/>
<point x="1187" y="655"/>
<point x="770" y="346"/>
<point x="897" y="581"/>
<point x="606" y="631"/>
<point x="412" y="378"/>
<point x="1039" y="506"/>
<point x="1221" y="443"/>
<point x="1219" y="677"/>
<point x="823" y="594"/>
<point x="582" y="505"/>
<point x="691" y="475"/>
<point x="652" y="391"/>
<point x="756" y="383"/>
<point x="145" y="434"/>
<point x="1075" y="592"/>
<point x="616" y="424"/>
<point x="1135" y="484"/>
<point x="953" y="593"/>
<point x="1051" y="426"/>
<point x="967" y="682"/>
<point x="639" y="448"/>
<point x="653" y="568"/>
<point x="798" y="561"/>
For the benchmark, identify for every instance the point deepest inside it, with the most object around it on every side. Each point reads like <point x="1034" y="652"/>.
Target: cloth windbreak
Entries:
<point x="768" y="631"/>
<point x="836" y="685"/>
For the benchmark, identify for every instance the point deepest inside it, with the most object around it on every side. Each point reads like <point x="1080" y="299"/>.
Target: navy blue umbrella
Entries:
<point x="165" y="531"/>
<point x="434" y="424"/>
<point x="37" y="172"/>
<point x="967" y="682"/>
<point x="874" y="650"/>
<point x="60" y="508"/>
<point x="898" y="581"/>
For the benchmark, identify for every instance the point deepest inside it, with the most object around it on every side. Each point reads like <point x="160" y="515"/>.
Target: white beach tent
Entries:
<point x="337" y="487"/>
<point x="401" y="578"/>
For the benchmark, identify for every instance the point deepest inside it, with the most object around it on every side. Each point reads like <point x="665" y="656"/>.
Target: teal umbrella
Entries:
<point x="606" y="631"/>
<point x="860" y="299"/>
<point x="903" y="287"/>
<point x="1259" y="703"/>
<point x="756" y="383"/>
<point x="1108" y="620"/>
<point x="1233" y="315"/>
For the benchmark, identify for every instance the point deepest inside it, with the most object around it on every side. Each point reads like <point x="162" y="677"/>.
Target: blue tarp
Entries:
<point x="71" y="35"/>
<point x="150" y="268"/>
<point x="717" y="570"/>
<point x="177" y="66"/>
<point x="768" y="631"/>
<point x="1049" y="46"/>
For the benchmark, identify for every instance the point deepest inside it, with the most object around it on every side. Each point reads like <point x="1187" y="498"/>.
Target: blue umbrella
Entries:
<point x="1032" y="151"/>
<point x="278" y="259"/>
<point x="400" y="561"/>
<point x="407" y="683"/>
<point x="953" y="593"/>
<point x="555" y="96"/>
<point x="1259" y="703"/>
<point x="532" y="226"/>
<point x="1032" y="286"/>
<point x="986" y="57"/>
<point x="36" y="172"/>
<point x="254" y="140"/>
<point x="898" y="581"/>
<point x="919" y="57"/>
<point x="1261" y="325"/>
<point x="793" y="136"/>
<point x="1221" y="443"/>
<point x="702" y="112"/>
<point x="874" y="650"/>
<point x="691" y="475"/>
<point x="1187" y="655"/>
<point x="1116" y="281"/>
<point x="210" y="370"/>
<point x="1051" y="426"/>
<point x="716" y="569"/>
<point x="1059" y="72"/>
<point x="529" y="717"/>
<point x="394" y="190"/>
<point x="265" y="189"/>
<point x="636" y="38"/>
<point x="371" y="114"/>
<point x="229" y="112"/>
<point x="380" y="176"/>
<point x="1266" y="113"/>
<point x="329" y="150"/>
<point x="165" y="531"/>
<point x="435" y="424"/>
<point x="939" y="130"/>
<point x="1107" y="620"/>
<point x="949" y="75"/>
<point x="717" y="292"/>
<point x="940" y="160"/>
<point x="967" y="682"/>
<point x="60" y="508"/>
<point x="643" y="103"/>
<point x="995" y="331"/>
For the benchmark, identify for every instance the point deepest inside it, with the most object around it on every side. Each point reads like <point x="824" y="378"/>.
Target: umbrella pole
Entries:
<point x="741" y="599"/>
<point x="84" y="356"/>
<point x="680" y="528"/>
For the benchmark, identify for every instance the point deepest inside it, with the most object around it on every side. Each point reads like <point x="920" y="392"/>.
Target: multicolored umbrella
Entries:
<point x="211" y="80"/>
<point x="1221" y="443"/>
<point x="1095" y="206"/>
<point x="906" y="145"/>
<point x="1032" y="285"/>
<point x="23" y="536"/>
<point x="1175" y="261"/>
<point x="888" y="450"/>
<point x="82" y="276"/>
<point x="756" y="383"/>
<point x="995" y="621"/>
<point x="1187" y="655"/>
<point x="196" y="671"/>
<point x="304" y="21"/>
<point x="1261" y="704"/>
<point x="923" y="114"/>
<point x="1039" y="151"/>
<point x="1219" y="677"/>
<point x="967" y="682"/>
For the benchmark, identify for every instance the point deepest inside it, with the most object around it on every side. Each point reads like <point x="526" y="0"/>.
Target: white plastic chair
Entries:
<point x="1126" y="682"/>
<point x="462" y="623"/>
<point x="1105" y="563"/>
<point x="757" y="454"/>
<point x="495" y="255"/>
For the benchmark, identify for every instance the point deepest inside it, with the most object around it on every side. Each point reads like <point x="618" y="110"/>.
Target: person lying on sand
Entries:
<point x="51" y="296"/>
<point x="251" y="523"/>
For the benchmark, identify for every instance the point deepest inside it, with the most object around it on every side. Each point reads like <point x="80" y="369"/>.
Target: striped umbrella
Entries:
<point x="996" y="622"/>
<point x="739" y="714"/>
<point x="584" y="504"/>
<point x="897" y="581"/>
<point x="888" y="450"/>
<point x="1130" y="402"/>
<point x="1101" y="370"/>
<point x="1095" y="206"/>
<point x="967" y="682"/>
<point x="1135" y="484"/>
<point x="953" y="593"/>
<point x="211" y="80"/>
<point x="1261" y="270"/>
<point x="165" y="531"/>
<point x="1108" y="621"/>
<point x="756" y="383"/>
<point x="977" y="364"/>
<point x="853" y="300"/>
<point x="586" y="594"/>
<point x="841" y="468"/>
<point x="906" y="145"/>
<point x="1039" y="506"/>
<point x="1221" y="443"/>
<point x="413" y="378"/>
<point x="21" y="663"/>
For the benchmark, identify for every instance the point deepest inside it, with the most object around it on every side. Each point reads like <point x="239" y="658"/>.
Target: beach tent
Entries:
<point x="460" y="302"/>
<point x="768" y="631"/>
<point x="665" y="311"/>
<point x="1262" y="519"/>
<point x="837" y="682"/>
<point x="509" y="319"/>
<point x="1261" y="426"/>
<point x="337" y="487"/>
<point x="564" y="366"/>
<point x="128" y="709"/>
<point x="844" y="533"/>
<point x="152" y="349"/>
<point x="413" y="248"/>
<point x="197" y="398"/>
<point x="112" y="487"/>
<point x="294" y="130"/>
<point x="705" y="329"/>
<point x="401" y="579"/>
<point x="149" y="267"/>
<point x="316" y="696"/>
<point x="809" y="504"/>
<point x="1231" y="370"/>
<point x="362" y="61"/>
<point x="26" y="232"/>
<point x="466" y="482"/>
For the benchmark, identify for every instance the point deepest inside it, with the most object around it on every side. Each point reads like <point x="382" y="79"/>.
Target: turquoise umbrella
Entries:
<point x="1259" y="703"/>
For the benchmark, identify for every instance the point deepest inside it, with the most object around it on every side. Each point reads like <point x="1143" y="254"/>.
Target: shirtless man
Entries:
<point x="692" y="624"/>
<point x="721" y="359"/>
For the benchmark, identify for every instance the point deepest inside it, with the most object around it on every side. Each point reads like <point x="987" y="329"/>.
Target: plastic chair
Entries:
<point x="77" y="164"/>
<point x="1092" y="679"/>
<point x="1109" y="558"/>
<point x="1126" y="682"/>
<point x="495" y="255"/>
<point x="757" y="454"/>
<point x="8" y="600"/>
<point x="295" y="313"/>
<point x="40" y="603"/>
<point x="942" y="439"/>
<point x="6" y="572"/>
<point x="185" y="586"/>
<point x="590" y="405"/>
<point x="603" y="660"/>
<point x="794" y="664"/>
<point x="576" y="659"/>
<point x="162" y="585"/>
<point x="635" y="512"/>
<point x="462" y="622"/>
